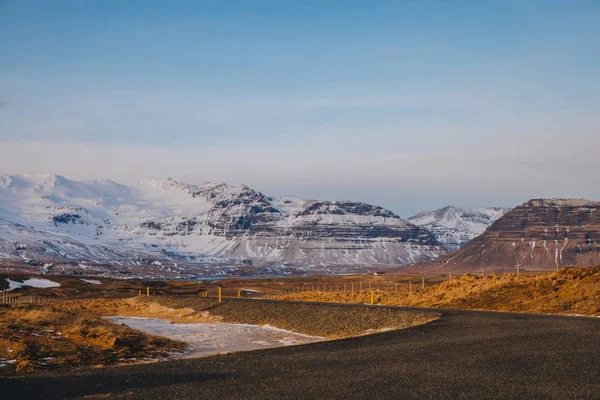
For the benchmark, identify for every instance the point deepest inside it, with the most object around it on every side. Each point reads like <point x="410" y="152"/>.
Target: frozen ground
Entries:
<point x="209" y="339"/>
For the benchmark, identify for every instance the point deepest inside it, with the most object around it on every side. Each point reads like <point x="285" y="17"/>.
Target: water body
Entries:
<point x="208" y="339"/>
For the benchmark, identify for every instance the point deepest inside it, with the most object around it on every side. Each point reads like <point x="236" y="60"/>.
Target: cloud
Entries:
<point x="507" y="175"/>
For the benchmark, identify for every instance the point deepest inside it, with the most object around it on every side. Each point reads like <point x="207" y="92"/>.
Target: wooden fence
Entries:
<point x="8" y="298"/>
<point x="368" y="286"/>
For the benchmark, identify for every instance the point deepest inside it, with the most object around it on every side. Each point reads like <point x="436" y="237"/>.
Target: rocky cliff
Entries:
<point x="541" y="234"/>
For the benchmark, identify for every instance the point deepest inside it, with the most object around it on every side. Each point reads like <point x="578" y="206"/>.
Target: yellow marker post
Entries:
<point x="139" y="292"/>
<point x="220" y="299"/>
<point x="372" y="298"/>
<point x="147" y="292"/>
<point x="239" y="294"/>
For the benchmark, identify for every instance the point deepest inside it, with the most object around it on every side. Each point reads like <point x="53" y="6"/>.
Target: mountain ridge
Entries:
<point x="206" y="229"/>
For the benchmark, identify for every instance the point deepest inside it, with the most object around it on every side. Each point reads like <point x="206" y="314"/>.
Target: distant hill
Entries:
<point x="541" y="234"/>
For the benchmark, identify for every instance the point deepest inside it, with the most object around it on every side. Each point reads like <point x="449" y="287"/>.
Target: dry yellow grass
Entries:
<point x="568" y="291"/>
<point x="138" y="307"/>
<point x="40" y="336"/>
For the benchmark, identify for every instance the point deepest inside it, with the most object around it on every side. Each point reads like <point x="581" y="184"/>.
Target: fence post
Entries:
<point x="396" y="287"/>
<point x="423" y="282"/>
<point x="410" y="286"/>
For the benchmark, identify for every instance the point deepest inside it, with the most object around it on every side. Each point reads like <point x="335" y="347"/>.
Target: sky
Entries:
<point x="411" y="105"/>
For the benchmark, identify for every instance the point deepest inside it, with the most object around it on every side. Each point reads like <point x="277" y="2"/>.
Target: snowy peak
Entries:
<point x="455" y="226"/>
<point x="493" y="212"/>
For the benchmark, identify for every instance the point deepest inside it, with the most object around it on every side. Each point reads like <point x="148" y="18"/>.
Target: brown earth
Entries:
<point x="541" y="235"/>
<point x="73" y="288"/>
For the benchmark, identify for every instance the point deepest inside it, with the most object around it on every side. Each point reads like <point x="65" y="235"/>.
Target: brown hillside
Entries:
<point x="541" y="235"/>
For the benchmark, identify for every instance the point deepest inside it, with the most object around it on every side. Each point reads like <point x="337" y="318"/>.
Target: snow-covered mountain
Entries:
<point x="176" y="228"/>
<point x="455" y="226"/>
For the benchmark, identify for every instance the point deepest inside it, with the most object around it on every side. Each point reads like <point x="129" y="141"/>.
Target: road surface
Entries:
<point x="463" y="355"/>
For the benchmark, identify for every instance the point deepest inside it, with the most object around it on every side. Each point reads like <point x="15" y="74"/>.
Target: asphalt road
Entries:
<point x="463" y="355"/>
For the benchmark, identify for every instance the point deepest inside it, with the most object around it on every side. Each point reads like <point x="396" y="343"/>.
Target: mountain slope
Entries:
<point x="455" y="226"/>
<point x="211" y="228"/>
<point x="541" y="234"/>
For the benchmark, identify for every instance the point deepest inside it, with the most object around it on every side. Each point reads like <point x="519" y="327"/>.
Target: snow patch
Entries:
<point x="92" y="281"/>
<point x="208" y="338"/>
<point x="33" y="282"/>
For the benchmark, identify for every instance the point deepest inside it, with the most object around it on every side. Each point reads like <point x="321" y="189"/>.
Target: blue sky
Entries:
<point x="408" y="104"/>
